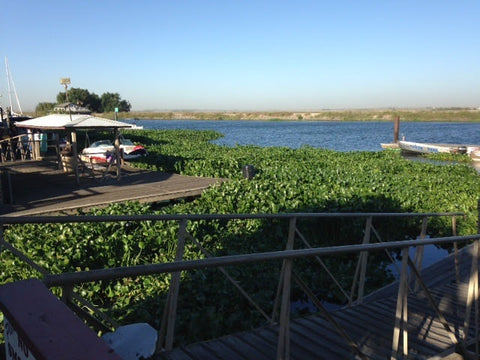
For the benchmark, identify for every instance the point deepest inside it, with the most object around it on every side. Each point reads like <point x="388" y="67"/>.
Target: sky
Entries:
<point x="245" y="55"/>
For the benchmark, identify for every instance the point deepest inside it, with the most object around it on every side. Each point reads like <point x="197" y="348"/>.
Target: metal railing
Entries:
<point x="282" y="300"/>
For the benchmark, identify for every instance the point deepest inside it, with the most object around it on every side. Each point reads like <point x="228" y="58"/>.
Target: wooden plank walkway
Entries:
<point x="40" y="188"/>
<point x="370" y="325"/>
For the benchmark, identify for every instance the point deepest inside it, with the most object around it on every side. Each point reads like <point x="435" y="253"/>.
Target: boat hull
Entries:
<point x="475" y="154"/>
<point x="427" y="148"/>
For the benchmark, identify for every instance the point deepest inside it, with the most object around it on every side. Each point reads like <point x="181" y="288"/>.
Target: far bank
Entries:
<point x="463" y="115"/>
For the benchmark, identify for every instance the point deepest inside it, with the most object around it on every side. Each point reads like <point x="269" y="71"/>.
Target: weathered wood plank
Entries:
<point x="309" y="341"/>
<point x="46" y="190"/>
<point x="264" y="348"/>
<point x="233" y="343"/>
<point x="433" y="329"/>
<point x="336" y="346"/>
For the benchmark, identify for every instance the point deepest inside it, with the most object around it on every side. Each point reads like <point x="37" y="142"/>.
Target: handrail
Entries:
<point x="195" y="217"/>
<point x="12" y="138"/>
<point x="140" y="270"/>
<point x="24" y="147"/>
<point x="68" y="280"/>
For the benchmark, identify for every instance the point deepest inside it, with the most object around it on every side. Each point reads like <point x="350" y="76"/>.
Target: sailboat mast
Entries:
<point x="10" y="82"/>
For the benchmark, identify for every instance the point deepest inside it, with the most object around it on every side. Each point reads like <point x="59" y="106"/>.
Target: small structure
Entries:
<point x="70" y="123"/>
<point x="69" y="108"/>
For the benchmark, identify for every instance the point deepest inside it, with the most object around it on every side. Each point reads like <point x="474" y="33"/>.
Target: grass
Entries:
<point x="427" y="114"/>
<point x="454" y="114"/>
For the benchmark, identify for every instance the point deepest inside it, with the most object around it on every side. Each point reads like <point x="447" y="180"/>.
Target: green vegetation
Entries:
<point x="99" y="104"/>
<point x="286" y="180"/>
<point x="455" y="114"/>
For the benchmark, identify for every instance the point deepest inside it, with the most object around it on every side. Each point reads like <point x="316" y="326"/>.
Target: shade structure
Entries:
<point x="74" y="121"/>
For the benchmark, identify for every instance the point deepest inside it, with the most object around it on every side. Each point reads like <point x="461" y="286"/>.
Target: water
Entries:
<point x="431" y="255"/>
<point x="334" y="135"/>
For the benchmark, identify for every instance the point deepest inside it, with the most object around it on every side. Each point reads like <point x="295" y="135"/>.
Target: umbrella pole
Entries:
<point x="75" y="156"/>
<point x="117" y="152"/>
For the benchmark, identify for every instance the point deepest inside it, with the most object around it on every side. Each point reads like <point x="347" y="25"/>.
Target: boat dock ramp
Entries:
<point x="366" y="330"/>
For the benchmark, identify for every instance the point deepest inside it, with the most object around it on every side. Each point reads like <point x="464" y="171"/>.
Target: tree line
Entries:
<point x="82" y="97"/>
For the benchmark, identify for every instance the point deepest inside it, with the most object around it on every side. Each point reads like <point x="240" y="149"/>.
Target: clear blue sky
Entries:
<point x="246" y="55"/>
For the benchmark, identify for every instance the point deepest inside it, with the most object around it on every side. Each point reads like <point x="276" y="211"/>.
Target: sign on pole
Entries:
<point x="65" y="81"/>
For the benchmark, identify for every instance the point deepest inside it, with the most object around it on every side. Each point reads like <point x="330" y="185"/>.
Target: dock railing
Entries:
<point x="26" y="147"/>
<point x="371" y="242"/>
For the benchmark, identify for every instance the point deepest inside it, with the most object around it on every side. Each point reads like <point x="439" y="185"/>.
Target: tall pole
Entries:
<point x="65" y="82"/>
<point x="396" y="129"/>
<point x="66" y="92"/>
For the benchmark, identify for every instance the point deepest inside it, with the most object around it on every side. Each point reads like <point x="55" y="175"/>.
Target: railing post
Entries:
<point x="1" y="237"/>
<point x="420" y="250"/>
<point x="472" y="297"/>
<point x="169" y="315"/>
<point x="361" y="269"/>
<point x="455" y="249"/>
<point x="283" y="346"/>
<point x="401" y="314"/>
<point x="67" y="294"/>
<point x="12" y="152"/>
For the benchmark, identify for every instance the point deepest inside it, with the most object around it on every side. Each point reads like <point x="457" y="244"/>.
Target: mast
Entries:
<point x="12" y="84"/>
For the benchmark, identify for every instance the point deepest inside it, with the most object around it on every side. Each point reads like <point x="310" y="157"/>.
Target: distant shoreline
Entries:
<point x="461" y="115"/>
<point x="443" y="114"/>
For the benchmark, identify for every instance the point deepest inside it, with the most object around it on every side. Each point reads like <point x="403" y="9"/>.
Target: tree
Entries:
<point x="107" y="102"/>
<point x="95" y="103"/>
<point x="44" y="107"/>
<point x="81" y="97"/>
<point x="110" y="101"/>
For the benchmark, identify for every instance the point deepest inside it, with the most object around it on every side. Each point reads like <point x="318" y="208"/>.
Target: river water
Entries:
<point x="333" y="135"/>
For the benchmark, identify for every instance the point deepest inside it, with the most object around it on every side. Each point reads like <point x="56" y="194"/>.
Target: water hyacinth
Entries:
<point x="286" y="180"/>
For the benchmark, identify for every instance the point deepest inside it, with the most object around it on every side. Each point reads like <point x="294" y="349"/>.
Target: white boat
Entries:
<point x="428" y="148"/>
<point x="474" y="153"/>
<point x="103" y="150"/>
<point x="391" y="146"/>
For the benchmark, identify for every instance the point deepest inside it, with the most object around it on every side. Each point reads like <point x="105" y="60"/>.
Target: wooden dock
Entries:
<point x="39" y="187"/>
<point x="369" y="325"/>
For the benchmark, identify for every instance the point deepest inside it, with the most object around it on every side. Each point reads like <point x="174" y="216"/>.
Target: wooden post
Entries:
<point x="283" y="345"/>
<point x="420" y="251"/>
<point x="472" y="294"/>
<point x="1" y="237"/>
<point x="67" y="294"/>
<point x="455" y="248"/>
<point x="401" y="310"/>
<point x="57" y="150"/>
<point x="168" y="322"/>
<point x="364" y="255"/>
<point x="73" y="137"/>
<point x="396" y="129"/>
<point x="360" y="271"/>
<point x="276" y="303"/>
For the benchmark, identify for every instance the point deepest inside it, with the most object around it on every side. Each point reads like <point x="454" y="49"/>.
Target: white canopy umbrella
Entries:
<point x="65" y="121"/>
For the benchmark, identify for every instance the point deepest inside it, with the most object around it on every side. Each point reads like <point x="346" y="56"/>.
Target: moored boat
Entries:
<point x="474" y="153"/>
<point x="100" y="150"/>
<point x="428" y="148"/>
